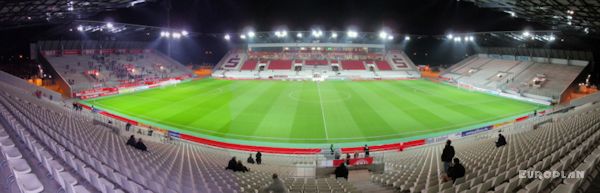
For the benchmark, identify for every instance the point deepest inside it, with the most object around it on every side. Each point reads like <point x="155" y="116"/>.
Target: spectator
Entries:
<point x="240" y="167"/>
<point x="341" y="171"/>
<point x="355" y="154"/>
<point x="337" y="155"/>
<point x="250" y="159"/>
<point x="456" y="171"/>
<point x="258" y="158"/>
<point x="131" y="141"/>
<point x="447" y="155"/>
<point x="331" y="149"/>
<point x="501" y="140"/>
<point x="276" y="186"/>
<point x="140" y="145"/>
<point x="231" y="165"/>
<point x="127" y="126"/>
<point x="366" y="150"/>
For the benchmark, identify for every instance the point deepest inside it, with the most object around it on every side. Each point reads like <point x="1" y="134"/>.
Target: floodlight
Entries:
<point x="176" y="35"/>
<point x="406" y="38"/>
<point x="299" y="35"/>
<point x="251" y="34"/>
<point x="80" y="28"/>
<point x="317" y="33"/>
<point x="109" y="25"/>
<point x="526" y="33"/>
<point x="383" y="35"/>
<point x="227" y="37"/>
<point x="390" y="37"/>
<point x="167" y="34"/>
<point x="552" y="38"/>
<point x="352" y="34"/>
<point x="184" y="33"/>
<point x="457" y="39"/>
<point x="243" y="36"/>
<point x="334" y="35"/>
<point x="449" y="36"/>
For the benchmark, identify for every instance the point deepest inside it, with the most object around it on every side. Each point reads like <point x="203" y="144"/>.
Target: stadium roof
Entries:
<point x="30" y="12"/>
<point x="558" y="14"/>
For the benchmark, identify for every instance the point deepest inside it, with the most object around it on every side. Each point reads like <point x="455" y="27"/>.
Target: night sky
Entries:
<point x="422" y="17"/>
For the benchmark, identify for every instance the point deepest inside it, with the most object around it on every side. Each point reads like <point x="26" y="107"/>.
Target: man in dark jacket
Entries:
<point x="447" y="155"/>
<point x="366" y="150"/>
<point x="341" y="171"/>
<point x="456" y="171"/>
<point x="140" y="145"/>
<point x="239" y="167"/>
<point x="501" y="140"/>
<point x="258" y="158"/>
<point x="231" y="165"/>
<point x="131" y="141"/>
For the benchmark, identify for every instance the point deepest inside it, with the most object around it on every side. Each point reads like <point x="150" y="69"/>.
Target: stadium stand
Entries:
<point x="539" y="80"/>
<point x="569" y="142"/>
<point x="308" y="64"/>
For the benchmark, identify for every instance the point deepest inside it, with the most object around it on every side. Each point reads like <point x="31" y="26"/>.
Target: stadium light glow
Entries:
<point x="167" y="34"/>
<point x="457" y="39"/>
<point x="281" y="34"/>
<point x="243" y="36"/>
<point x="184" y="33"/>
<point x="390" y="37"/>
<point x="334" y="35"/>
<point x="227" y="37"/>
<point x="317" y="33"/>
<point x="526" y="33"/>
<point x="552" y="38"/>
<point x="406" y="38"/>
<point x="450" y="36"/>
<point x="299" y="35"/>
<point x="251" y="34"/>
<point x="352" y="34"/>
<point x="80" y="28"/>
<point x="176" y="35"/>
<point x="383" y="35"/>
<point x="109" y="25"/>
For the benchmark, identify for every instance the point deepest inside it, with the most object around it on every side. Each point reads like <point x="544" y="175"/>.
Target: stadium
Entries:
<point x="256" y="97"/>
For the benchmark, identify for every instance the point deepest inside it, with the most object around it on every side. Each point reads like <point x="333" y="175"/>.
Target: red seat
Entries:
<point x="383" y="65"/>
<point x="249" y="65"/>
<point x="353" y="65"/>
<point x="280" y="65"/>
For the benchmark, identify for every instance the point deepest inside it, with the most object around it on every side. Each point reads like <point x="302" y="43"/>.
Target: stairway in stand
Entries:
<point x="361" y="180"/>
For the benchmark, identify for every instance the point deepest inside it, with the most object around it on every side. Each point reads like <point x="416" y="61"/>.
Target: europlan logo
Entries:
<point x="551" y="174"/>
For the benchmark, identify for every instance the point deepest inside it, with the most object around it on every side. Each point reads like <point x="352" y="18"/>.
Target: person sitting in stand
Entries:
<point x="456" y="171"/>
<point x="131" y="141"/>
<point x="501" y="140"/>
<point x="366" y="150"/>
<point x="240" y="167"/>
<point x="231" y="165"/>
<point x="250" y="159"/>
<point x="341" y="171"/>
<point x="355" y="155"/>
<point x="140" y="145"/>
<point x="276" y="186"/>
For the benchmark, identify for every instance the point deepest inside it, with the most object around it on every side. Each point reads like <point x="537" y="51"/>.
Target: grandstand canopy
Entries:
<point x="27" y="12"/>
<point x="559" y="14"/>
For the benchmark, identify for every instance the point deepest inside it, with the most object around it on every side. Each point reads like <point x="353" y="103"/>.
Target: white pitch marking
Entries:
<point x="322" y="111"/>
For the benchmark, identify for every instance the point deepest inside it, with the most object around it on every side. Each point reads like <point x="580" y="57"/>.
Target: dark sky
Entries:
<point x="404" y="16"/>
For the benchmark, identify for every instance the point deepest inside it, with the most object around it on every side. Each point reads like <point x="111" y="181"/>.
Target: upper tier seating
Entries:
<point x="383" y="65"/>
<point x="353" y="65"/>
<point x="249" y="65"/>
<point x="569" y="143"/>
<point x="280" y="65"/>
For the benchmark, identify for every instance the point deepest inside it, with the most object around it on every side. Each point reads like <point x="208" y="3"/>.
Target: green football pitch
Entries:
<point x="301" y="113"/>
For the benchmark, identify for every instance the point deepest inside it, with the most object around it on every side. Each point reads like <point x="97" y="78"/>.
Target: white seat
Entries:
<point x="19" y="166"/>
<point x="29" y="183"/>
